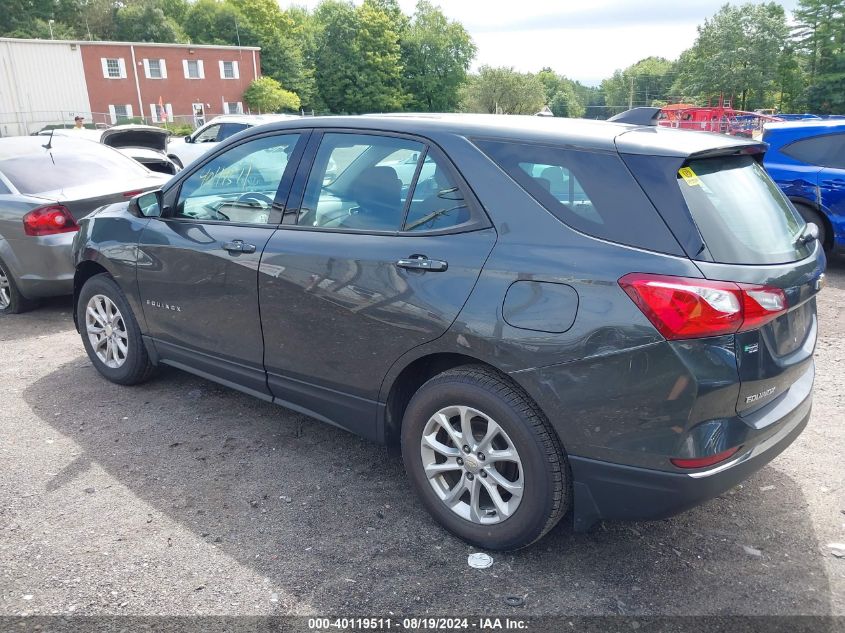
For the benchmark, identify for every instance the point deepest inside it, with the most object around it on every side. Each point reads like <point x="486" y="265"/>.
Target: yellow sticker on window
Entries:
<point x="689" y="176"/>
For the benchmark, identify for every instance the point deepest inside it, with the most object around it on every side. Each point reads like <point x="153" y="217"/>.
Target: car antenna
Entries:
<point x="49" y="144"/>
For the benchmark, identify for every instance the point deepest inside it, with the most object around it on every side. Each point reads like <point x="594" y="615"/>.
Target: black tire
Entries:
<point x="16" y="303"/>
<point x="812" y="215"/>
<point x="136" y="366"/>
<point x="545" y="471"/>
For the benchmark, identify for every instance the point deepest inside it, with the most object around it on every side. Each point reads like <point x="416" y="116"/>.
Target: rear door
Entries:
<point x="754" y="237"/>
<point x="197" y="265"/>
<point x="384" y="251"/>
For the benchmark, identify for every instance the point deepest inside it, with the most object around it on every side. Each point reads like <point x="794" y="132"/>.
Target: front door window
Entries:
<point x="240" y="185"/>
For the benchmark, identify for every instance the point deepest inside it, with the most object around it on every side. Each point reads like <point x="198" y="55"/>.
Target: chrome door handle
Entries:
<point x="421" y="262"/>
<point x="238" y="246"/>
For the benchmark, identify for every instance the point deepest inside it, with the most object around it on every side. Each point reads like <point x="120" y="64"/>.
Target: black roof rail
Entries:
<point x="637" y="116"/>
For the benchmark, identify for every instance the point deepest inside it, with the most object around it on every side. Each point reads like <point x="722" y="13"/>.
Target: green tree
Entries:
<point x="736" y="54"/>
<point x="436" y="53"/>
<point x="640" y="84"/>
<point x="819" y="35"/>
<point x="267" y="95"/>
<point x="565" y="103"/>
<point x="358" y="62"/>
<point x="504" y="91"/>
<point x="215" y="22"/>
<point x="146" y="22"/>
<point x="335" y="53"/>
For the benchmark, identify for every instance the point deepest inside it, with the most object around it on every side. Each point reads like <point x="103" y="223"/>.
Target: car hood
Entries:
<point x="146" y="136"/>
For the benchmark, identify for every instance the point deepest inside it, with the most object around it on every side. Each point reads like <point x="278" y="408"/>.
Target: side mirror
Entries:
<point x="188" y="139"/>
<point x="147" y="205"/>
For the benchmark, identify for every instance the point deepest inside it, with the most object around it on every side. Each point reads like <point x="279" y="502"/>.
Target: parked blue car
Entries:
<point x="807" y="161"/>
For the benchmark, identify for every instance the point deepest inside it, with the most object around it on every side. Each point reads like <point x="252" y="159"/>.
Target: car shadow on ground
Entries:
<point x="331" y="519"/>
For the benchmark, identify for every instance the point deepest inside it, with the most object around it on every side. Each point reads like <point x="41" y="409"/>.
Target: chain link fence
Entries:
<point x="26" y="123"/>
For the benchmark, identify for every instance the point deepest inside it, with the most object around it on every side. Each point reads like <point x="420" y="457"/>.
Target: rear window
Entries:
<point x="826" y="151"/>
<point x="60" y="167"/>
<point x="740" y="212"/>
<point x="593" y="192"/>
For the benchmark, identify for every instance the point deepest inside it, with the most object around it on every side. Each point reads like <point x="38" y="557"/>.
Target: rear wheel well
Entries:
<point x="84" y="271"/>
<point x="414" y="376"/>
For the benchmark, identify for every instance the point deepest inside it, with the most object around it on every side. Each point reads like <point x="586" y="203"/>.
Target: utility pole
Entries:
<point x="631" y="94"/>
<point x="50" y="24"/>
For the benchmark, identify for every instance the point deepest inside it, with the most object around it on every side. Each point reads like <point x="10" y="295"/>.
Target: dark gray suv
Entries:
<point x="544" y="315"/>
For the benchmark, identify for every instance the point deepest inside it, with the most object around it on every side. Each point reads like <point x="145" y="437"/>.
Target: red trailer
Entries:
<point x="721" y="117"/>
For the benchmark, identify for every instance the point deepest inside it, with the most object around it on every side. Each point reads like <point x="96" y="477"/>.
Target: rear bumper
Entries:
<point x="604" y="490"/>
<point x="41" y="266"/>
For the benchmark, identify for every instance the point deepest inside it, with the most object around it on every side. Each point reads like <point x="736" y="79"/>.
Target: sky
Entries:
<point x="585" y="41"/>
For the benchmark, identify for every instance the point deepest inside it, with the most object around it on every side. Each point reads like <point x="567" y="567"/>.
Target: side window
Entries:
<point x="360" y="181"/>
<point x="208" y="135"/>
<point x="230" y="129"/>
<point x="240" y="184"/>
<point x="4" y="188"/>
<point x="437" y="201"/>
<point x="826" y="151"/>
<point x="593" y="192"/>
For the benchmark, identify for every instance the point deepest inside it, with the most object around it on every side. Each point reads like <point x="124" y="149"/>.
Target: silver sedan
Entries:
<point x="46" y="185"/>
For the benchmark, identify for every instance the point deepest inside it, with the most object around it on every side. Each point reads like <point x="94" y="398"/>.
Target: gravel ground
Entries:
<point x="182" y="497"/>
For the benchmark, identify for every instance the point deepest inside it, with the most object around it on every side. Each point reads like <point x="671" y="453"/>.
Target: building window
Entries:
<point x="161" y="113"/>
<point x="193" y="69"/>
<point x="233" y="108"/>
<point x="113" y="67"/>
<point x="120" y="113"/>
<point x="155" y="69"/>
<point x="229" y="70"/>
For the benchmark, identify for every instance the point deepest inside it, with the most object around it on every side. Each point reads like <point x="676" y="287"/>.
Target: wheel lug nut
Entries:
<point x="466" y="449"/>
<point x="481" y="457"/>
<point x="470" y="476"/>
<point x="483" y="475"/>
<point x="460" y="461"/>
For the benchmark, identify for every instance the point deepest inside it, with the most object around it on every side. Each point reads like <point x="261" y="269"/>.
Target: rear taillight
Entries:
<point x="681" y="307"/>
<point x="49" y="220"/>
<point x="702" y="462"/>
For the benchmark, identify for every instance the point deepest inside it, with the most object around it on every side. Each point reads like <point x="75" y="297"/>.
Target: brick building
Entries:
<point x="49" y="81"/>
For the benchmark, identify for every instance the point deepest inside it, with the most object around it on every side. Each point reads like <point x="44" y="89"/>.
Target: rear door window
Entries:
<point x="740" y="212"/>
<point x="593" y="192"/>
<point x="825" y="151"/>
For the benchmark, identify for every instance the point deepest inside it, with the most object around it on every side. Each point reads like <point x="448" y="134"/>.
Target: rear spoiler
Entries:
<point x="637" y="116"/>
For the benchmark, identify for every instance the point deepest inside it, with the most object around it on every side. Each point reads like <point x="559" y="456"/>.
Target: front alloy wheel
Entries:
<point x="106" y="331"/>
<point x="472" y="465"/>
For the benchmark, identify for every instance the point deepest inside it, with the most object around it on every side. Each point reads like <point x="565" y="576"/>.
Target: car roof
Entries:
<point x="253" y="119"/>
<point x="577" y="133"/>
<point x="807" y="125"/>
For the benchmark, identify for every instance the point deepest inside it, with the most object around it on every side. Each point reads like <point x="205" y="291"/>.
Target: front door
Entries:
<point x="197" y="265"/>
<point x="386" y="249"/>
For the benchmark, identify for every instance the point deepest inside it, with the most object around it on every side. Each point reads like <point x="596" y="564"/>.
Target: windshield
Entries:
<point x="63" y="167"/>
<point x="741" y="214"/>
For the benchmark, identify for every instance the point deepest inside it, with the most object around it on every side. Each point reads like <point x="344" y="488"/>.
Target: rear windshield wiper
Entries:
<point x="809" y="233"/>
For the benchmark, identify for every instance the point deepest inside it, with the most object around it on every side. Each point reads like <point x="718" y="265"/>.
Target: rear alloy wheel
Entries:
<point x="11" y="299"/>
<point x="110" y="332"/>
<point x="472" y="465"/>
<point x="483" y="459"/>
